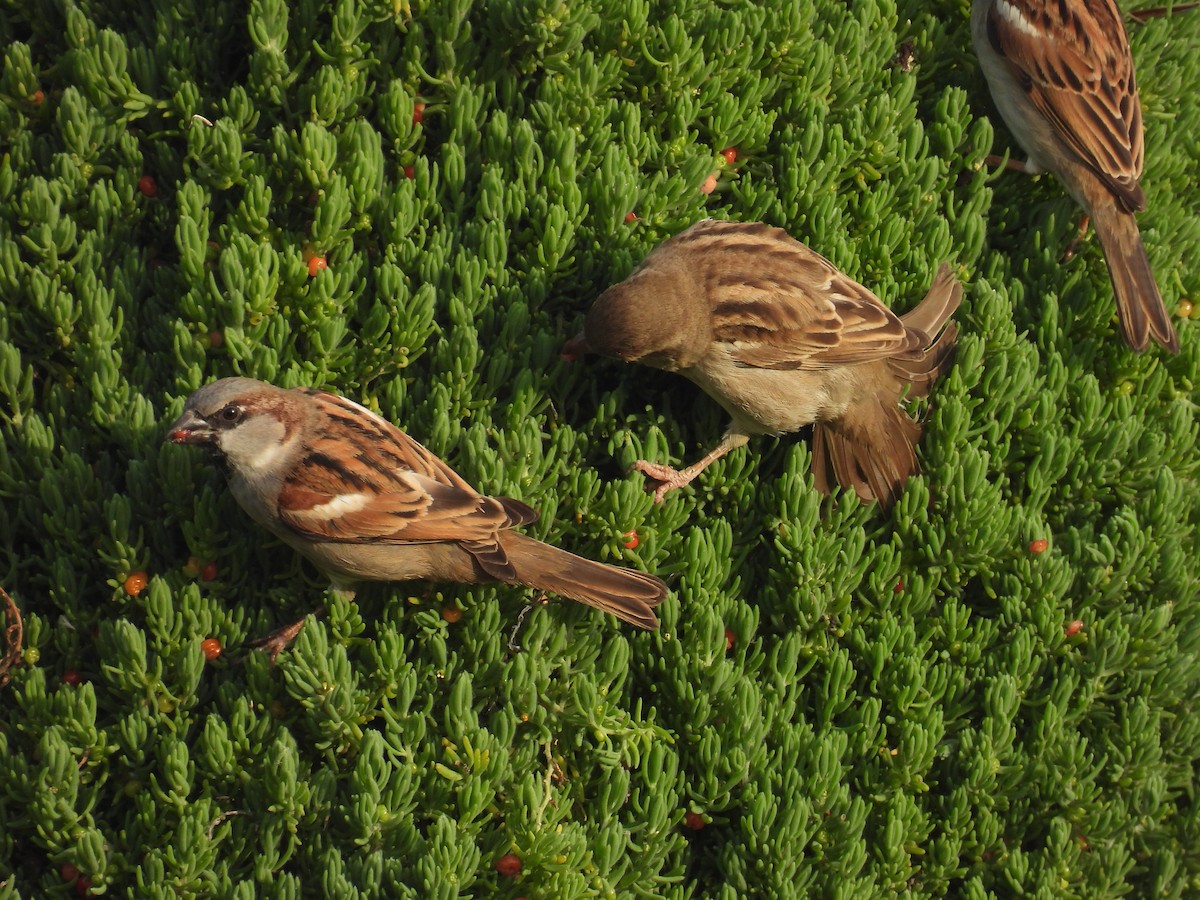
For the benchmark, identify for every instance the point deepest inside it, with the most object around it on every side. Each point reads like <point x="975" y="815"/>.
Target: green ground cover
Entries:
<point x="850" y="702"/>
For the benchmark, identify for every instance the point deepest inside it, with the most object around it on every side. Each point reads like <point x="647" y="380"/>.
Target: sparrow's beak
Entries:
<point x="191" y="429"/>
<point x="574" y="348"/>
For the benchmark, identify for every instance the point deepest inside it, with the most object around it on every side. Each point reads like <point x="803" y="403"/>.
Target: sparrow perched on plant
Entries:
<point x="1061" y="74"/>
<point x="781" y="339"/>
<point x="365" y="502"/>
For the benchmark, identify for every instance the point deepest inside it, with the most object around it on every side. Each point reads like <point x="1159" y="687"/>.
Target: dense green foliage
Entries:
<point x="853" y="702"/>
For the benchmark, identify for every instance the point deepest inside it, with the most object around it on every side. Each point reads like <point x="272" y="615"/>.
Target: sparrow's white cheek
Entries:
<point x="1013" y="15"/>
<point x="340" y="505"/>
<point x="257" y="445"/>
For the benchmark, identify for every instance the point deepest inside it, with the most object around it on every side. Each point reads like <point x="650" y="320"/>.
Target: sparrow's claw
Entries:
<point x="1073" y="247"/>
<point x="278" y="641"/>
<point x="668" y="478"/>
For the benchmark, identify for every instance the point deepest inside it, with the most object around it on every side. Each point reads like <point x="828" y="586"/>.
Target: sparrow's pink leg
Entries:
<point x="278" y="641"/>
<point x="670" y="478"/>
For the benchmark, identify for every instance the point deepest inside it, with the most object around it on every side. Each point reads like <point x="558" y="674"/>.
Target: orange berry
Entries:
<point x="38" y="97"/>
<point x="211" y="648"/>
<point x="136" y="583"/>
<point x="1039" y="546"/>
<point x="315" y="265"/>
<point x="630" y="217"/>
<point x="418" y="113"/>
<point x="1073" y="627"/>
<point x="633" y="539"/>
<point x="710" y="185"/>
<point x="451" y="614"/>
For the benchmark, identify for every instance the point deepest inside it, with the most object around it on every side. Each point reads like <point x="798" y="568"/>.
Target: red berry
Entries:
<point x="147" y="186"/>
<point x="1073" y="627"/>
<point x="710" y="185"/>
<point x="730" y="639"/>
<point x="1038" y="546"/>
<point x="71" y="677"/>
<point x="136" y="583"/>
<point x="418" y="113"/>
<point x="83" y="887"/>
<point x="573" y="349"/>
<point x="410" y="172"/>
<point x="216" y="340"/>
<point x="630" y="217"/>
<point x="211" y="648"/>
<point x="509" y="865"/>
<point x="38" y="97"/>
<point x="451" y="614"/>
<point x="68" y="871"/>
<point x="899" y="586"/>
<point x="730" y="154"/>
<point x="693" y="820"/>
<point x="315" y="265"/>
<point x="633" y="539"/>
<point x="209" y="572"/>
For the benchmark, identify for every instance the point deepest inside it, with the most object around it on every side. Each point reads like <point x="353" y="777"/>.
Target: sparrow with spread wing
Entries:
<point x="781" y="339"/>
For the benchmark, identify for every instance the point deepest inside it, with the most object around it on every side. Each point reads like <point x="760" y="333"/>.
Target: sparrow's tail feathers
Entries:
<point x="932" y="315"/>
<point x="1140" y="307"/>
<point x="872" y="448"/>
<point x="940" y="303"/>
<point x="625" y="593"/>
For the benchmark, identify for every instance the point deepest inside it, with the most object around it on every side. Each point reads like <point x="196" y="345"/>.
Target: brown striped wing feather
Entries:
<point x="780" y="305"/>
<point x="405" y="493"/>
<point x="1083" y="86"/>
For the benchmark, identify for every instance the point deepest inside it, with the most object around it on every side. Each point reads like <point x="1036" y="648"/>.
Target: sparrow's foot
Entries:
<point x="992" y="161"/>
<point x="278" y="641"/>
<point x="668" y="478"/>
<point x="1072" y="248"/>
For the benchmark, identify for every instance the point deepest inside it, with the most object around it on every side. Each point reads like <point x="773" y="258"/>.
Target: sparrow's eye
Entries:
<point x="230" y="415"/>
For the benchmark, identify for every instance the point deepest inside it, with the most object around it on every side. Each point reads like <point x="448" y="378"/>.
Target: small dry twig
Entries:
<point x="1141" y="16"/>
<point x="14" y="636"/>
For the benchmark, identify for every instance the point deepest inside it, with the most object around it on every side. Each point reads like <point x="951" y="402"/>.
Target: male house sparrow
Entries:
<point x="1061" y="74"/>
<point x="781" y="339"/>
<point x="365" y="502"/>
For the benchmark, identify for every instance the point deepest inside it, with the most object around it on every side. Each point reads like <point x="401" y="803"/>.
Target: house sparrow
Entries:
<point x="1062" y="77"/>
<point x="365" y="502"/>
<point x="781" y="339"/>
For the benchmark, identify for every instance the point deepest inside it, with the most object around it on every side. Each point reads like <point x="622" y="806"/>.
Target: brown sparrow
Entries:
<point x="1061" y="74"/>
<point x="365" y="502"/>
<point x="781" y="339"/>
